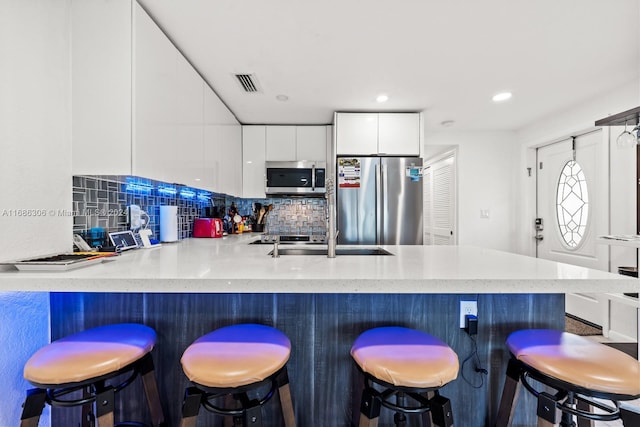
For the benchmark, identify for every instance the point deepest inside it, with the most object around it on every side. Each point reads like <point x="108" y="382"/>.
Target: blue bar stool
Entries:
<point x="87" y="361"/>
<point x="410" y="367"/>
<point x="235" y="361"/>
<point x="578" y="369"/>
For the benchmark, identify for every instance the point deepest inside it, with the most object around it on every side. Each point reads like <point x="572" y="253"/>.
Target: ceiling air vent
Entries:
<point x="249" y="82"/>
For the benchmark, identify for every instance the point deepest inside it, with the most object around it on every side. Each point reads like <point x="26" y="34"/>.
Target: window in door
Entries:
<point x="572" y="204"/>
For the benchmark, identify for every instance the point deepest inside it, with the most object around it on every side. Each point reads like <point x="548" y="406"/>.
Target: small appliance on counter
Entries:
<point x="207" y="227"/>
<point x="168" y="223"/>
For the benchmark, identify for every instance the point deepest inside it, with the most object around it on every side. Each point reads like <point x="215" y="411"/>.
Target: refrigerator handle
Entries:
<point x="378" y="203"/>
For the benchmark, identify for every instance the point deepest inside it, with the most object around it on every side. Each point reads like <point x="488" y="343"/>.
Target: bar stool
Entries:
<point x="579" y="370"/>
<point x="409" y="365"/>
<point x="234" y="361"/>
<point x="87" y="361"/>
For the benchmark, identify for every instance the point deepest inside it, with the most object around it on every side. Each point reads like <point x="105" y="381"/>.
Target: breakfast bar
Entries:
<point x="189" y="288"/>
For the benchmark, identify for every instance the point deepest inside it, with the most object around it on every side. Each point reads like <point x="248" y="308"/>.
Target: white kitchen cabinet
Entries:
<point x="357" y="133"/>
<point x="155" y="94"/>
<point x="222" y="168"/>
<point x="311" y="143"/>
<point x="101" y="87"/>
<point x="378" y="134"/>
<point x="253" y="161"/>
<point x="140" y="108"/>
<point x="168" y="115"/>
<point x="187" y="161"/>
<point x="280" y="143"/>
<point x="289" y="143"/>
<point x="231" y="160"/>
<point x="399" y="134"/>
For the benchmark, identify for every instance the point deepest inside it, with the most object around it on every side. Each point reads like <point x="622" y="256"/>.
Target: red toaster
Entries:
<point x="207" y="227"/>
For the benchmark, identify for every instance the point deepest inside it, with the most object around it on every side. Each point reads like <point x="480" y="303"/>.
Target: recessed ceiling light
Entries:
<point x="382" y="98"/>
<point x="282" y="98"/>
<point x="197" y="179"/>
<point x="502" y="96"/>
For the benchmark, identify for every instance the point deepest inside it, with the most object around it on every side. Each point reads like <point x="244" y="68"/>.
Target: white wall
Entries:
<point x="485" y="182"/>
<point x="35" y="171"/>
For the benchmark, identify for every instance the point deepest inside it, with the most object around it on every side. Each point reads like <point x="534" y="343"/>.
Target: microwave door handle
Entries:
<point x="313" y="177"/>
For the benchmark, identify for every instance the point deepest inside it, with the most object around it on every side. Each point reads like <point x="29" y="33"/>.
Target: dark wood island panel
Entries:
<point x="322" y="328"/>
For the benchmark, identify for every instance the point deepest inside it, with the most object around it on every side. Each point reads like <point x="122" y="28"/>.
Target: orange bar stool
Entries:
<point x="579" y="370"/>
<point x="410" y="367"/>
<point x="87" y="361"/>
<point x="235" y="361"/>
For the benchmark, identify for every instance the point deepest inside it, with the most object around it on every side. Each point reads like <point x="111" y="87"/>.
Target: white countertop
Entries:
<point x="230" y="264"/>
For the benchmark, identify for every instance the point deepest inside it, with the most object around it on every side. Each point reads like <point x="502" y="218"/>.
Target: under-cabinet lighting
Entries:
<point x="382" y="98"/>
<point x="167" y="190"/>
<point x="133" y="185"/>
<point x="188" y="194"/>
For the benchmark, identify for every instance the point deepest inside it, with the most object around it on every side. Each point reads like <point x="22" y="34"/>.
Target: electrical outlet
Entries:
<point x="467" y="307"/>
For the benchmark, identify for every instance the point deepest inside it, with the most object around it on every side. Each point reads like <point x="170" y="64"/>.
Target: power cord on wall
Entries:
<point x="477" y="368"/>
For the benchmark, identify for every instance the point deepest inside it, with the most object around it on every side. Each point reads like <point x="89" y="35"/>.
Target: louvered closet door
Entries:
<point x="440" y="202"/>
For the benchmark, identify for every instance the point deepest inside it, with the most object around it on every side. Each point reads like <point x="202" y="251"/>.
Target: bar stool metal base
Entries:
<point x="569" y="401"/>
<point x="249" y="412"/>
<point x="434" y="408"/>
<point x="98" y="397"/>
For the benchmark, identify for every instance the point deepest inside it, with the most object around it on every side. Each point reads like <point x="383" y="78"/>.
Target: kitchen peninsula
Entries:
<point x="186" y="289"/>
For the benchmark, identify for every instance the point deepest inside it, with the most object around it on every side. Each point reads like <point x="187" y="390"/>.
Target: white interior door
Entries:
<point x="573" y="197"/>
<point x="440" y="201"/>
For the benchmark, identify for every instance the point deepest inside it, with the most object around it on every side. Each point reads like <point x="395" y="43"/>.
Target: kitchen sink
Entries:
<point x="339" y="251"/>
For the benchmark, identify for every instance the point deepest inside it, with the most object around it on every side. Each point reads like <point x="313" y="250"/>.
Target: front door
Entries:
<point x="572" y="203"/>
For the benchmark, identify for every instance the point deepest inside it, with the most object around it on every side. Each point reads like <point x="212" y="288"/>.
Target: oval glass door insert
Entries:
<point x="572" y="204"/>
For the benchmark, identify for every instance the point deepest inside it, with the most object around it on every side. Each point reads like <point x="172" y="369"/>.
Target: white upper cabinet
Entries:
<point x="231" y="160"/>
<point x="399" y="134"/>
<point x="187" y="148"/>
<point x="140" y="108"/>
<point x="281" y="143"/>
<point x="222" y="169"/>
<point x="253" y="161"/>
<point x="311" y="143"/>
<point x="357" y="133"/>
<point x="155" y="94"/>
<point x="378" y="134"/>
<point x="289" y="143"/>
<point x="101" y="87"/>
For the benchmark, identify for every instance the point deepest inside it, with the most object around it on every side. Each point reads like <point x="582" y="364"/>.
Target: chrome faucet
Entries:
<point x="275" y="253"/>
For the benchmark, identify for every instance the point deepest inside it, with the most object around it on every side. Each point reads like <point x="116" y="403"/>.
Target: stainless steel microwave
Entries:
<point x="301" y="178"/>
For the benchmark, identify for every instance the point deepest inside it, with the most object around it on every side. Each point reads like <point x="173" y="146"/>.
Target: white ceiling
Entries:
<point x="446" y="58"/>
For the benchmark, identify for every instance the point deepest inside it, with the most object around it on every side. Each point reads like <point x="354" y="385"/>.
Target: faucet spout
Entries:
<point x="332" y="232"/>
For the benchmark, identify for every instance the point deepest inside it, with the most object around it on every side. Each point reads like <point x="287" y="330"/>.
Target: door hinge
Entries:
<point x="540" y="165"/>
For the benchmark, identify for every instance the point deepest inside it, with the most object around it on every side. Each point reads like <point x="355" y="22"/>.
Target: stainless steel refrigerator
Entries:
<point x="377" y="202"/>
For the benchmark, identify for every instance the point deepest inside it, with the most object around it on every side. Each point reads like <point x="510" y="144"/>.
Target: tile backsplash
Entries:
<point x="297" y="216"/>
<point x="101" y="202"/>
